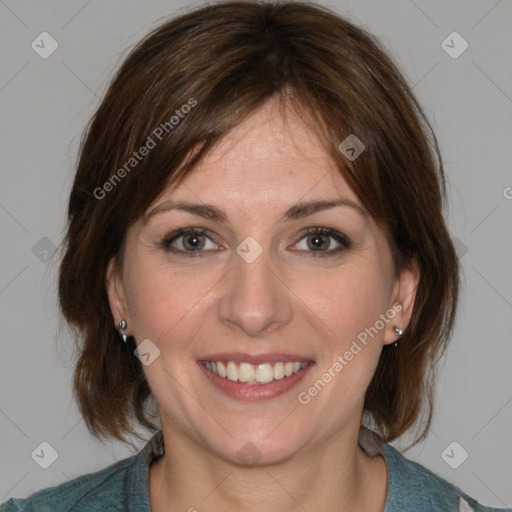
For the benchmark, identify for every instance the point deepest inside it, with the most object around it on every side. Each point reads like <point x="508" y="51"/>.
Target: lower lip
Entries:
<point x="255" y="392"/>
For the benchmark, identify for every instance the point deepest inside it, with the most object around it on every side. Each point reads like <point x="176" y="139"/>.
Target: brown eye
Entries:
<point x="189" y="242"/>
<point x="193" y="242"/>
<point x="320" y="242"/>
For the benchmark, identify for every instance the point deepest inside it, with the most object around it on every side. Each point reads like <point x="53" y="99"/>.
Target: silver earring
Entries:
<point x="398" y="332"/>
<point x="122" y="326"/>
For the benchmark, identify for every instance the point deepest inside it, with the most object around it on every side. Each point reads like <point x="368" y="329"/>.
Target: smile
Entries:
<point x="255" y="377"/>
<point x="251" y="374"/>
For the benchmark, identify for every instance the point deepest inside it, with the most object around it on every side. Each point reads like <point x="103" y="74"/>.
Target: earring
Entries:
<point x="122" y="326"/>
<point x="398" y="332"/>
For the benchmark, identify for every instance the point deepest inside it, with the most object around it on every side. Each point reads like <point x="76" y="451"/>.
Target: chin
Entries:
<point x="257" y="447"/>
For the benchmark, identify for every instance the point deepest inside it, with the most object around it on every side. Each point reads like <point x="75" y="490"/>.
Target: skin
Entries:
<point x="284" y="301"/>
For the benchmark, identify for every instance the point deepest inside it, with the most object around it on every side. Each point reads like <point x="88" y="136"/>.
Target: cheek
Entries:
<point x="163" y="301"/>
<point x="347" y="300"/>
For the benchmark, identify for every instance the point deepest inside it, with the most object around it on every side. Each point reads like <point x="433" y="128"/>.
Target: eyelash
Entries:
<point x="343" y="240"/>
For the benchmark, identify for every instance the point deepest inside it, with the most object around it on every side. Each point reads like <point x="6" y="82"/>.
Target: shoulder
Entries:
<point x="412" y="486"/>
<point x="120" y="487"/>
<point x="95" y="491"/>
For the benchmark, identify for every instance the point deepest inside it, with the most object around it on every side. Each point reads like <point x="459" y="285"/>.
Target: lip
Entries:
<point x="256" y="392"/>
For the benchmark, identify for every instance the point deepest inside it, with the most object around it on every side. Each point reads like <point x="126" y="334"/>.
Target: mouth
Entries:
<point x="252" y="378"/>
<point x="254" y="375"/>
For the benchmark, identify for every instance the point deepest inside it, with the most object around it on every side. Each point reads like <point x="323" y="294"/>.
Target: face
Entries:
<point x="284" y="297"/>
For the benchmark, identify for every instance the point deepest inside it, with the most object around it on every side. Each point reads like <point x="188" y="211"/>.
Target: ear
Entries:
<point x="402" y="304"/>
<point x="116" y="293"/>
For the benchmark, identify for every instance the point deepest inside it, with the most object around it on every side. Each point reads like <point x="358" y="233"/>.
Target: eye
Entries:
<point x="319" y="242"/>
<point x="188" y="242"/>
<point x="193" y="242"/>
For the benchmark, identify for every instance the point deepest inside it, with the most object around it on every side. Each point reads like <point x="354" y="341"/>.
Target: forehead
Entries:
<point x="271" y="157"/>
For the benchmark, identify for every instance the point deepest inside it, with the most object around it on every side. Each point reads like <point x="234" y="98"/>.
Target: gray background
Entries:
<point x="45" y="104"/>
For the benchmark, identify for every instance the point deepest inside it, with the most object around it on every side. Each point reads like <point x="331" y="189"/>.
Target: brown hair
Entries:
<point x="224" y="61"/>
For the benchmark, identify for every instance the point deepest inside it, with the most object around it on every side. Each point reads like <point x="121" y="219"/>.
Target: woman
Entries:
<point x="256" y="252"/>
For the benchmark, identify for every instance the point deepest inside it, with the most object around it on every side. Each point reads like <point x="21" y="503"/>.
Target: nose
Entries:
<point x="255" y="298"/>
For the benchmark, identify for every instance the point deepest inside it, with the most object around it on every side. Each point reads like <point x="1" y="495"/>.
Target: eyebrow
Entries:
<point x="211" y="212"/>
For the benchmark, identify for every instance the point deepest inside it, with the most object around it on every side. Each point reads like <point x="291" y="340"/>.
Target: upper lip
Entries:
<point x="271" y="357"/>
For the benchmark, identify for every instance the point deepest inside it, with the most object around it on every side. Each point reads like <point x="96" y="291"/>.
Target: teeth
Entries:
<point x="264" y="373"/>
<point x="245" y="372"/>
<point x="221" y="369"/>
<point x="254" y="374"/>
<point x="232" y="371"/>
<point x="278" y="371"/>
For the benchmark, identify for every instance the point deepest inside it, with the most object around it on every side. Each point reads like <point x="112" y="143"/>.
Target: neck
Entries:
<point x="335" y="476"/>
